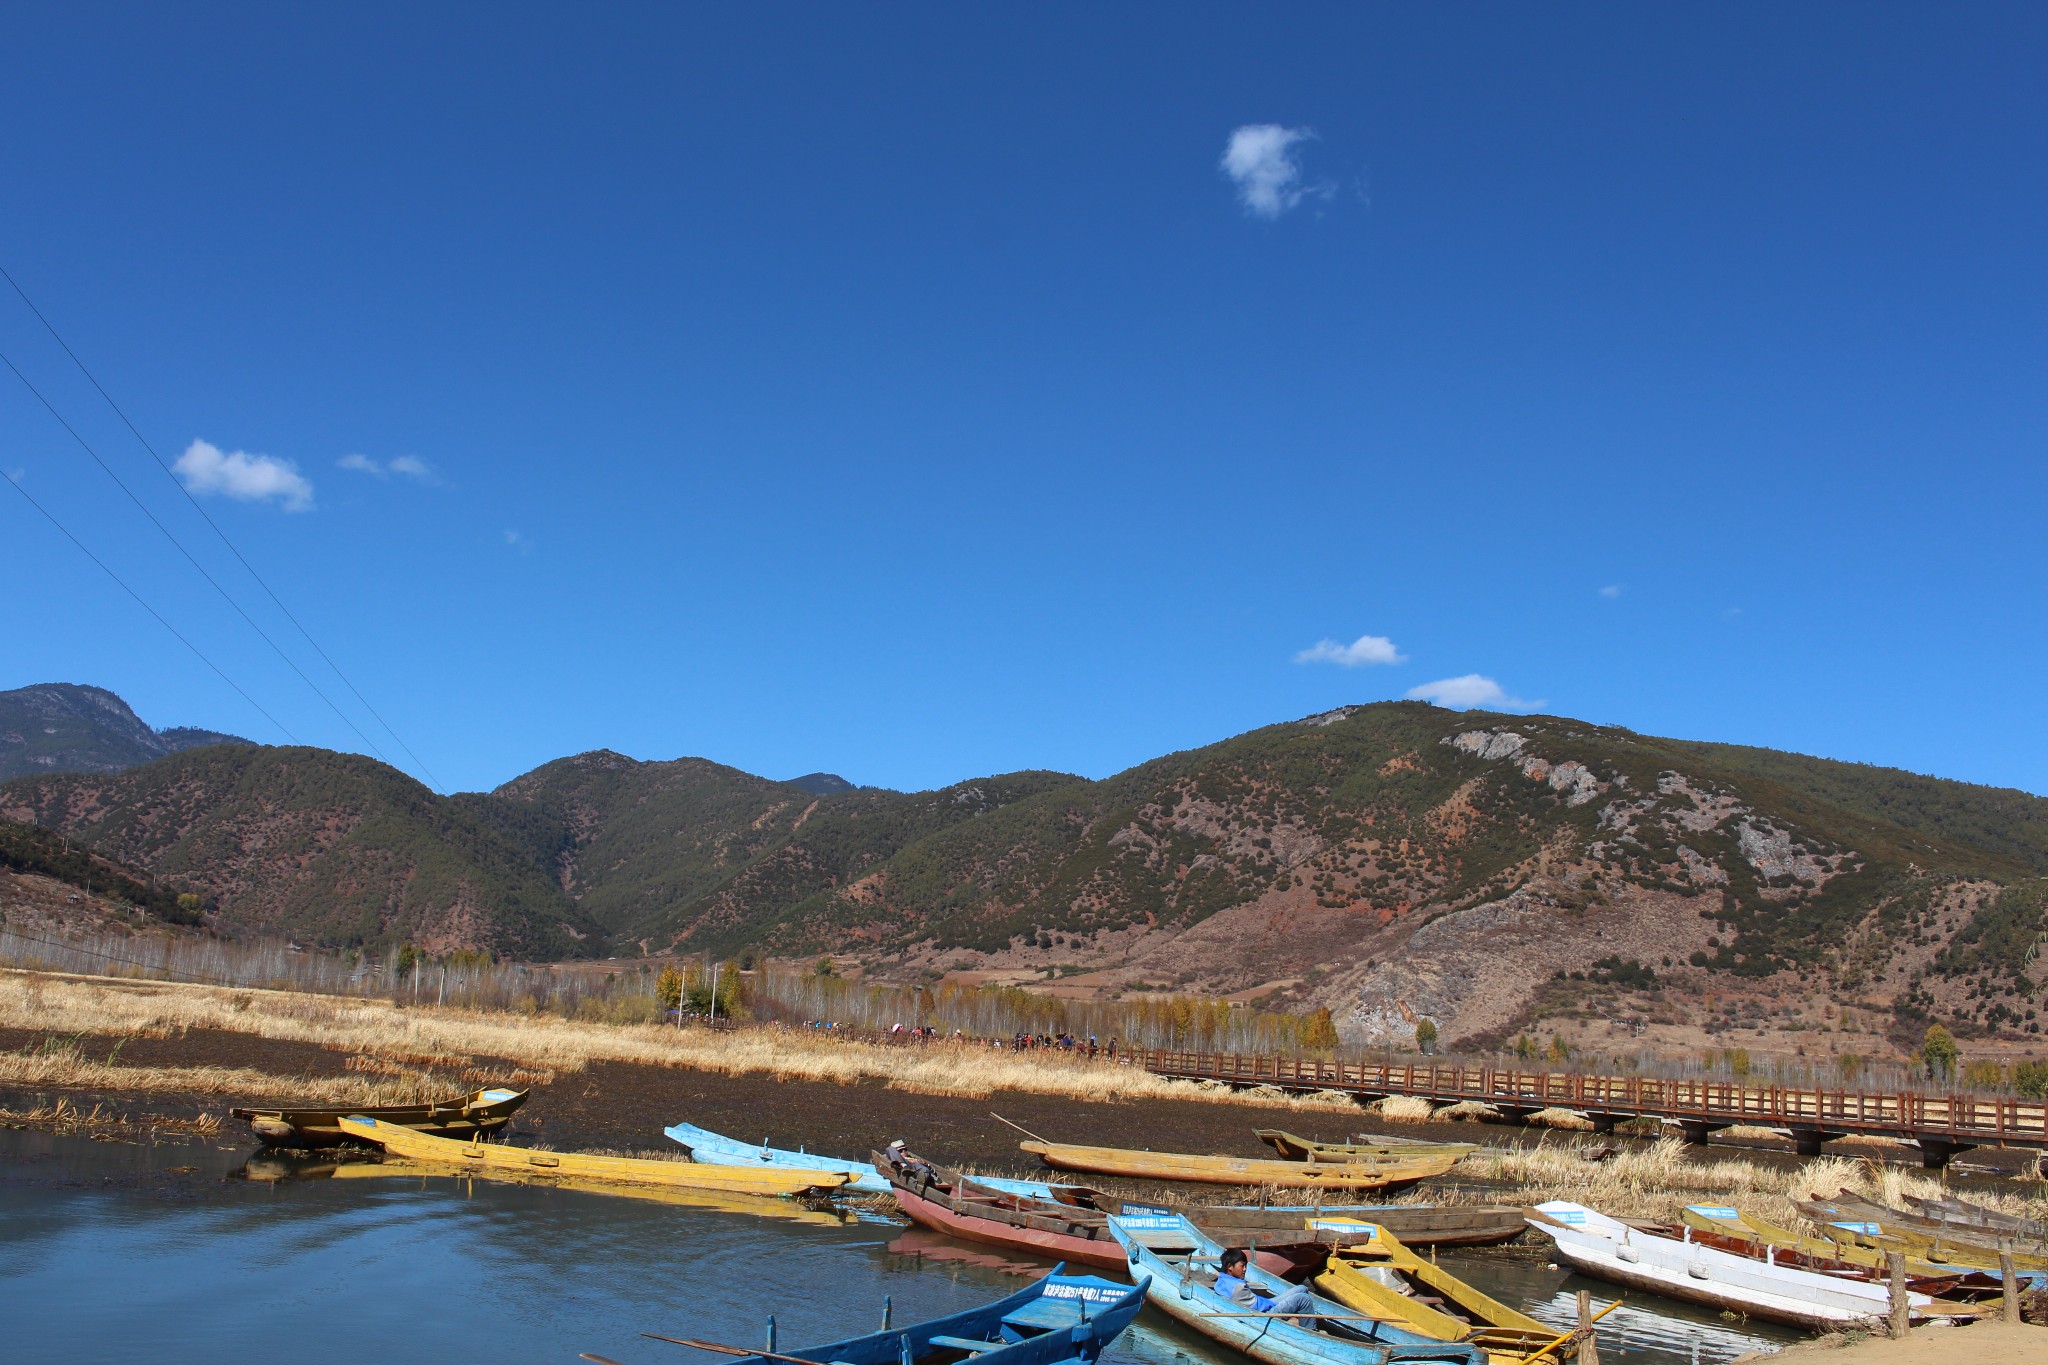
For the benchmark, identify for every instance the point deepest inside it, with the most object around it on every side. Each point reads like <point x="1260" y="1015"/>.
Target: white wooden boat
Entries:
<point x="1679" y="1268"/>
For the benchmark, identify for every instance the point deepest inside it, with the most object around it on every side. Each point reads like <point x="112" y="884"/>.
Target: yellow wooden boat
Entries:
<point x="1232" y="1170"/>
<point x="711" y="1201"/>
<point x="1725" y="1222"/>
<point x="1852" y="1223"/>
<point x="1374" y="1273"/>
<point x="483" y="1157"/>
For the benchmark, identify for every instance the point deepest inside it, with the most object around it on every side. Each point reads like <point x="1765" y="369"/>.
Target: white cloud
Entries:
<point x="1365" y="650"/>
<point x="1611" y="591"/>
<point x="206" y="468"/>
<point x="1260" y="160"/>
<point x="519" y="542"/>
<point x="1469" y="691"/>
<point x="411" y="466"/>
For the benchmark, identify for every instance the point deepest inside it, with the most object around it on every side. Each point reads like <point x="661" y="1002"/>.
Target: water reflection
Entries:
<point x="187" y="1254"/>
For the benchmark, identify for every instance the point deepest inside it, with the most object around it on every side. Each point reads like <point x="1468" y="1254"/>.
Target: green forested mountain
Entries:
<point x="1396" y="860"/>
<point x="331" y="847"/>
<point x="65" y="728"/>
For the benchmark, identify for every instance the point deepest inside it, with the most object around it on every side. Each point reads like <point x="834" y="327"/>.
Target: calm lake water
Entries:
<point x="116" y="1252"/>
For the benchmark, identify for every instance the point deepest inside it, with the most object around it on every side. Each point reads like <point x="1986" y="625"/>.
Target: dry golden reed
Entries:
<point x="547" y="1044"/>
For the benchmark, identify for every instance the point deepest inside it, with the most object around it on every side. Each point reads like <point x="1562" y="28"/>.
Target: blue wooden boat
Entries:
<point x="1177" y="1263"/>
<point x="1061" y="1320"/>
<point x="715" y="1149"/>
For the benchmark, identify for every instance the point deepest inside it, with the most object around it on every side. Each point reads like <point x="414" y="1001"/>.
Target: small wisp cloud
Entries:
<point x="1470" y="691"/>
<point x="1363" y="652"/>
<point x="1260" y="159"/>
<point x="405" y="466"/>
<point x="206" y="469"/>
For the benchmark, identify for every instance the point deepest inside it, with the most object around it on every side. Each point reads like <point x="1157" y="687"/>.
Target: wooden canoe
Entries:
<point x="715" y="1149"/>
<point x="963" y="1206"/>
<point x="1293" y="1147"/>
<point x="1060" y="1320"/>
<point x="1679" y="1268"/>
<point x="485" y="1157"/>
<point x="1179" y="1264"/>
<point x="1730" y="1229"/>
<point x="1430" y="1225"/>
<point x="1963" y="1216"/>
<point x="481" y="1111"/>
<point x="1859" y="1222"/>
<point x="816" y="1213"/>
<point x="1232" y="1170"/>
<point x="1374" y="1273"/>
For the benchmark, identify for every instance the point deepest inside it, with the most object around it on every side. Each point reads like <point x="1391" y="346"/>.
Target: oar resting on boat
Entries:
<point x="1061" y="1320"/>
<point x="484" y="1157"/>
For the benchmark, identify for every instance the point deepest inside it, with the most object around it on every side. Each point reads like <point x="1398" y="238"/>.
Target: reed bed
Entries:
<point x="1658" y="1180"/>
<point x="65" y="1063"/>
<point x="546" y="1043"/>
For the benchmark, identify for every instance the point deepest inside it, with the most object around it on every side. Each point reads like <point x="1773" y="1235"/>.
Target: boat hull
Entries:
<point x="1607" y="1249"/>
<point x="714" y="1149"/>
<point x="1103" y="1253"/>
<point x="1221" y="1170"/>
<point x="1183" y="1293"/>
<point x="486" y="1157"/>
<point x="481" y="1112"/>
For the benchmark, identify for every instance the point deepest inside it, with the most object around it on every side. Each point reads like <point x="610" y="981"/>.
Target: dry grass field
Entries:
<point x="104" y="1007"/>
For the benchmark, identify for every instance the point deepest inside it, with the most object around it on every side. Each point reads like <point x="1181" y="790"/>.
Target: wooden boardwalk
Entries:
<point x="1942" y="1125"/>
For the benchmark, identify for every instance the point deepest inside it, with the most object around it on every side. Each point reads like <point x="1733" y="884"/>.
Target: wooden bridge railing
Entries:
<point x="1968" y="1119"/>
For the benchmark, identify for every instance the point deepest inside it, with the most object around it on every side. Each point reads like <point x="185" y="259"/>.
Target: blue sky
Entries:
<point x="919" y="392"/>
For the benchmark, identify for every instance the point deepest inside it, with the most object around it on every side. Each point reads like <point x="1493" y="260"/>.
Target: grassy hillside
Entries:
<point x="334" y="847"/>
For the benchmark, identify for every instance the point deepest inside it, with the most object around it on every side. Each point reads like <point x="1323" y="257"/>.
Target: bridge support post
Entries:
<point x="1605" y="1123"/>
<point x="1936" y="1153"/>
<point x="1696" y="1132"/>
<point x="1807" y="1141"/>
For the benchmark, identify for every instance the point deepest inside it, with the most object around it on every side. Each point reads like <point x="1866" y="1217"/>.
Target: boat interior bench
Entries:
<point x="966" y="1344"/>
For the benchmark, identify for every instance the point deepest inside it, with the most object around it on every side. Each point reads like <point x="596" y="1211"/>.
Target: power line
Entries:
<point x="180" y="546"/>
<point x="148" y="608"/>
<point x="177" y="483"/>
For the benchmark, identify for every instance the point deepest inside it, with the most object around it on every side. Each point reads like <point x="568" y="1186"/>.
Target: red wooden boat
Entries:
<point x="949" y="1202"/>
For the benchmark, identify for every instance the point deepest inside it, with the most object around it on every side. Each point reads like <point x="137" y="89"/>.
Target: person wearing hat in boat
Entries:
<point x="909" y="1164"/>
<point x="1230" y="1283"/>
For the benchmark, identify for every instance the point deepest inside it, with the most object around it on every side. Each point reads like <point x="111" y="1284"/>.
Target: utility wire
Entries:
<point x="148" y="608"/>
<point x="179" y="545"/>
<point x="232" y="549"/>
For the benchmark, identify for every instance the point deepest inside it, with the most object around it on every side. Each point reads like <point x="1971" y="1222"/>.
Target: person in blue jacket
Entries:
<point x="1230" y="1283"/>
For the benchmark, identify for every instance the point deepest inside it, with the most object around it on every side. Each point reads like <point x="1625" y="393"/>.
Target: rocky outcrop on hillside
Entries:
<point x="66" y="728"/>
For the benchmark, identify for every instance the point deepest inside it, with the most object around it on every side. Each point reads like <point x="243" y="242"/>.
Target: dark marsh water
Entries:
<point x="111" y="1251"/>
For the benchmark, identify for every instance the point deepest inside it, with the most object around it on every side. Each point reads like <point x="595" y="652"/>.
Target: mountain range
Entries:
<point x="66" y="728"/>
<point x="1393" y="860"/>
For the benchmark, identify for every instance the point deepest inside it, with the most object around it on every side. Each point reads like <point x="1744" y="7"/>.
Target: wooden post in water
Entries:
<point x="1589" y="1349"/>
<point x="1902" y="1305"/>
<point x="2010" y="1281"/>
